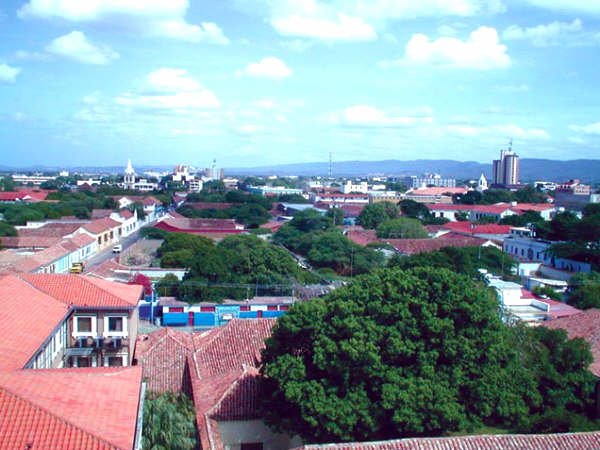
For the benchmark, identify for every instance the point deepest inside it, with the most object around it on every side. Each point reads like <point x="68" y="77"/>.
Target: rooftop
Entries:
<point x="69" y="408"/>
<point x="572" y="441"/>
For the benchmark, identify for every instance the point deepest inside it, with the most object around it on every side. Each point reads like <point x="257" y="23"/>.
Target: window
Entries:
<point x="251" y="446"/>
<point x="115" y="326"/>
<point x="84" y="326"/>
<point x="115" y="361"/>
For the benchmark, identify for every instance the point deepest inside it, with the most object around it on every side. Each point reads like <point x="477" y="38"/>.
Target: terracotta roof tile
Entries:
<point x="28" y="317"/>
<point x="231" y="347"/>
<point x="101" y="225"/>
<point x="362" y="237"/>
<point x="29" y="241"/>
<point x="53" y="229"/>
<point x="438" y="191"/>
<point x="69" y="408"/>
<point x="571" y="441"/>
<point x="163" y="356"/>
<point x="415" y="246"/>
<point x="85" y="291"/>
<point x="471" y="228"/>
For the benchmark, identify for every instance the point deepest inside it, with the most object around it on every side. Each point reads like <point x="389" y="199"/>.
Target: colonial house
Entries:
<point x="55" y="321"/>
<point x="45" y="404"/>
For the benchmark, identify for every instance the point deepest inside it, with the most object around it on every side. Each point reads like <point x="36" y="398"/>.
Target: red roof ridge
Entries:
<point x="102" y="280"/>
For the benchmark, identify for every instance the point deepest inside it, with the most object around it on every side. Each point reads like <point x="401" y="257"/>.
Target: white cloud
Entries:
<point x="340" y="27"/>
<point x="582" y="6"/>
<point x="170" y="90"/>
<point x="554" y="33"/>
<point x="269" y="67"/>
<point x="297" y="45"/>
<point x="402" y="9"/>
<point x="77" y="47"/>
<point x="8" y="74"/>
<point x="32" y="56"/>
<point x="507" y="131"/>
<point x="577" y="140"/>
<point x="592" y="128"/>
<point x="370" y="116"/>
<point x="152" y="17"/>
<point x="482" y="50"/>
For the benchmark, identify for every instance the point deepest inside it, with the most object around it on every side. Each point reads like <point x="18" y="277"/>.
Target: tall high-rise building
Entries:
<point x="506" y="169"/>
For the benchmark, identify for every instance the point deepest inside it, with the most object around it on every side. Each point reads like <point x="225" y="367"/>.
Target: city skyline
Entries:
<point x="256" y="82"/>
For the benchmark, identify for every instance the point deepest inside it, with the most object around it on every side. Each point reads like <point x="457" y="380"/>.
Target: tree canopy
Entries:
<point x="229" y="268"/>
<point x="374" y="214"/>
<point x="583" y="291"/>
<point x="416" y="353"/>
<point x="401" y="228"/>
<point x="169" y="422"/>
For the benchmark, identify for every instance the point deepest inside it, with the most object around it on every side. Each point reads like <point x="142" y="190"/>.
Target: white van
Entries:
<point x="117" y="248"/>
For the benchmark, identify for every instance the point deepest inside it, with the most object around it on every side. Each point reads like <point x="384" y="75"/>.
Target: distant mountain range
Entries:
<point x="587" y="170"/>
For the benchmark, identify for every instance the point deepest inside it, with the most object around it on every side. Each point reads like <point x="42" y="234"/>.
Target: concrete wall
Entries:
<point x="234" y="433"/>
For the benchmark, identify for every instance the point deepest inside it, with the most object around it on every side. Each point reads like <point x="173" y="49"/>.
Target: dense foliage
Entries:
<point x="313" y="235"/>
<point x="169" y="422"/>
<point x="463" y="260"/>
<point x="418" y="353"/>
<point x="583" y="291"/>
<point x="528" y="194"/>
<point x="228" y="269"/>
<point x="416" y="210"/>
<point x="401" y="228"/>
<point x="374" y="214"/>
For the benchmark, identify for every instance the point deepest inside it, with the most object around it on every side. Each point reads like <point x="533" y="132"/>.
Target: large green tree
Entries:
<point x="373" y="215"/>
<point x="169" y="422"/>
<point x="401" y="228"/>
<point x="396" y="353"/>
<point x="584" y="290"/>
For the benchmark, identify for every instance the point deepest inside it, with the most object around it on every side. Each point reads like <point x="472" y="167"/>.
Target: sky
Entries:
<point x="264" y="82"/>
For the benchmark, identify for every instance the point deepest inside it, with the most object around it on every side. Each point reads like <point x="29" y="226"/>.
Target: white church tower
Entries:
<point x="129" y="178"/>
<point x="482" y="183"/>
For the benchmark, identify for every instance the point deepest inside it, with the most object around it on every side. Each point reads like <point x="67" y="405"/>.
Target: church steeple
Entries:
<point x="129" y="178"/>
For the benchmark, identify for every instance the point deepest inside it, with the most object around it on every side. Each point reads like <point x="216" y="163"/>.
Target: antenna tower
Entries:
<point x="330" y="166"/>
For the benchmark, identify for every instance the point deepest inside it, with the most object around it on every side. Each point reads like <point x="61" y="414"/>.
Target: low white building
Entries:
<point x="349" y="187"/>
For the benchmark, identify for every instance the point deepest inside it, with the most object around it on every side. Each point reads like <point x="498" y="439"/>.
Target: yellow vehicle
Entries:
<point x="76" y="267"/>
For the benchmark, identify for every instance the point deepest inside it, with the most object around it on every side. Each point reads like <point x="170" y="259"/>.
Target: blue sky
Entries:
<point x="257" y="82"/>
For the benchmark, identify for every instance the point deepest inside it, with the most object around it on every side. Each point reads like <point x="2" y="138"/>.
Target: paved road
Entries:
<point x="107" y="253"/>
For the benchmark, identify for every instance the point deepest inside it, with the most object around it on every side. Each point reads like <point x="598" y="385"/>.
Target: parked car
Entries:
<point x="117" y="248"/>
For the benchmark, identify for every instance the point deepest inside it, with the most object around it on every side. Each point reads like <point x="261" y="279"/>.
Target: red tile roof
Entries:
<point x="163" y="356"/>
<point x="24" y="194"/>
<point x="28" y="316"/>
<point x="52" y="229"/>
<point x="438" y="191"/>
<point x="471" y="228"/>
<point x="185" y="225"/>
<point x="29" y="241"/>
<point x="571" y="441"/>
<point x="273" y="225"/>
<point x="585" y="325"/>
<point x="522" y="207"/>
<point x="362" y="237"/>
<point x="101" y="225"/>
<point x="230" y="347"/>
<point x="83" y="291"/>
<point x="125" y="213"/>
<point x="415" y="246"/>
<point x="69" y="408"/>
<point x="101" y="213"/>
<point x="224" y="375"/>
